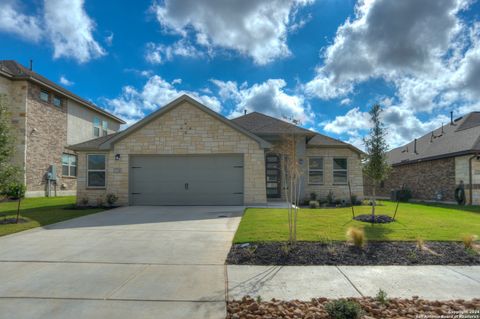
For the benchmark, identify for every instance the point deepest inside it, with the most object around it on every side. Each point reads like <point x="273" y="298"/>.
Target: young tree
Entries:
<point x="8" y="172"/>
<point x="291" y="178"/>
<point x="375" y="165"/>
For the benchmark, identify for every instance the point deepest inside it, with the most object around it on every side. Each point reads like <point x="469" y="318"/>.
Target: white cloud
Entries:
<point x="15" y="22"/>
<point x="422" y="49"/>
<point x="109" y="39"/>
<point x="268" y="97"/>
<point x="133" y="104"/>
<point x="160" y="53"/>
<point x="65" y="81"/>
<point x="254" y="28"/>
<point x="345" y="101"/>
<point x="70" y="30"/>
<point x="64" y="23"/>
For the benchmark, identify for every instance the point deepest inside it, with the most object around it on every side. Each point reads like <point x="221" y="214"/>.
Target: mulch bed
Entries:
<point x="5" y="221"/>
<point x="379" y="219"/>
<point x="341" y="253"/>
<point x="315" y="309"/>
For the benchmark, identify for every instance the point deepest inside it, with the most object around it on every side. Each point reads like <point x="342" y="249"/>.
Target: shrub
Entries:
<point x="353" y="199"/>
<point x="15" y="191"/>
<point x="469" y="240"/>
<point x="84" y="201"/>
<point x="404" y="194"/>
<point x="111" y="199"/>
<point x="313" y="204"/>
<point x="330" y="198"/>
<point x="356" y="236"/>
<point x="313" y="196"/>
<point x="343" y="309"/>
<point x="381" y="297"/>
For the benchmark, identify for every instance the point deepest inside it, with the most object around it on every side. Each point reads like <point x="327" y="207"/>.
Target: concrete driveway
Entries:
<point x="130" y="262"/>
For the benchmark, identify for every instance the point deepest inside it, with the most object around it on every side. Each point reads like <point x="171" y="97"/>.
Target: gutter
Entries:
<point x="470" y="176"/>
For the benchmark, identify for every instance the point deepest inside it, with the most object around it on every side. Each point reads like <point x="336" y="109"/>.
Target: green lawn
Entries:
<point x="41" y="211"/>
<point x="426" y="221"/>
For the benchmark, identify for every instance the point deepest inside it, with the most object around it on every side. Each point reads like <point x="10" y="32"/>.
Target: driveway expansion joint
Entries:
<point x="348" y="279"/>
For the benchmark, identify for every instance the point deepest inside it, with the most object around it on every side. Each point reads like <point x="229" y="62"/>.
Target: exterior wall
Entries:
<point x="80" y="123"/>
<point x="425" y="179"/>
<point x="462" y="174"/>
<point x="16" y="95"/>
<point x="46" y="133"/>
<point x="183" y="130"/>
<point x="354" y="173"/>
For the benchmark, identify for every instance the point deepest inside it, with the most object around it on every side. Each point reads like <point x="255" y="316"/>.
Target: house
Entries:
<point x="433" y="165"/>
<point x="46" y="119"/>
<point x="187" y="154"/>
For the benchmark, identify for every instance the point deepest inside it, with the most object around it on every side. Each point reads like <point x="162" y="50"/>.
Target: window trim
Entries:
<point x="44" y="92"/>
<point x="56" y="97"/>
<point x="104" y="128"/>
<point x="316" y="170"/>
<point x="70" y="165"/>
<point x="339" y="170"/>
<point x="97" y="170"/>
<point x="99" y="126"/>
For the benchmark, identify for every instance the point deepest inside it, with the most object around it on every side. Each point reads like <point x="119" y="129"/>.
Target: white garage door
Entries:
<point x="186" y="180"/>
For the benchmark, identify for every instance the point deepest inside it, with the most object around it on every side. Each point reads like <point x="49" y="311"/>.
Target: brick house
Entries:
<point x="187" y="154"/>
<point x="46" y="119"/>
<point x="433" y="165"/>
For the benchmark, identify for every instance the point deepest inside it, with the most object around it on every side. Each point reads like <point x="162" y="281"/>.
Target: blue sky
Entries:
<point x="324" y="62"/>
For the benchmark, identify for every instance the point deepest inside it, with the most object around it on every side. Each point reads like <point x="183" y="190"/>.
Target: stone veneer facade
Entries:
<point x="185" y="129"/>
<point x="340" y="191"/>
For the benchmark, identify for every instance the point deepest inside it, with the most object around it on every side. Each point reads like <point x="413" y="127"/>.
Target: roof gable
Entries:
<point x="168" y="107"/>
<point x="16" y="71"/>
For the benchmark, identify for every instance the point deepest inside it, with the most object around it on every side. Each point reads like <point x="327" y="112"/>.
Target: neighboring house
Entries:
<point x="187" y="154"/>
<point x="433" y="165"/>
<point x="46" y="119"/>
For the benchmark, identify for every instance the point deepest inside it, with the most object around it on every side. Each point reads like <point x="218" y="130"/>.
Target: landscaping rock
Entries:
<point x="315" y="309"/>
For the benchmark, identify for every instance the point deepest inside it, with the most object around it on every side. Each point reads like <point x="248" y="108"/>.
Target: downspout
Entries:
<point x="470" y="176"/>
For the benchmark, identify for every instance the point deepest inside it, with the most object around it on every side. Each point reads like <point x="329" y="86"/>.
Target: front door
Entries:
<point x="272" y="163"/>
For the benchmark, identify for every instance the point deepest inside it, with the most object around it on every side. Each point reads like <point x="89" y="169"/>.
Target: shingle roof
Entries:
<point x="259" y="123"/>
<point x="262" y="124"/>
<point x="92" y="145"/>
<point x="18" y="72"/>
<point x="463" y="137"/>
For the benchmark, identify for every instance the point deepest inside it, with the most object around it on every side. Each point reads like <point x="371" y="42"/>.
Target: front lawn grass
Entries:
<point x="426" y="221"/>
<point x="41" y="211"/>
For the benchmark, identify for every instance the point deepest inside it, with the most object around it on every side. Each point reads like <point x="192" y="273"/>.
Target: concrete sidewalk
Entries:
<point x="306" y="282"/>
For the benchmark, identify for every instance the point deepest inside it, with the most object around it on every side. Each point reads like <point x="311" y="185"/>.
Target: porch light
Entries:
<point x="117" y="157"/>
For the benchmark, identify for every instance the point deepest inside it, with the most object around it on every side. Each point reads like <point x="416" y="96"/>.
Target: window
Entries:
<point x="57" y="101"/>
<point x="104" y="128"/>
<point x="340" y="171"/>
<point x="315" y="170"/>
<point x="96" y="170"/>
<point x="96" y="127"/>
<point x="69" y="165"/>
<point x="44" y="96"/>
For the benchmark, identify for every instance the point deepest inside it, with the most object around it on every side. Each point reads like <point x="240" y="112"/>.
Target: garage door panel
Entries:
<point x="187" y="180"/>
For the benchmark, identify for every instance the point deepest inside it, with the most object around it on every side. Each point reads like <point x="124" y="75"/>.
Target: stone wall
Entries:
<point x="185" y="129"/>
<point x="46" y="133"/>
<point x="355" y="175"/>
<point x="424" y="179"/>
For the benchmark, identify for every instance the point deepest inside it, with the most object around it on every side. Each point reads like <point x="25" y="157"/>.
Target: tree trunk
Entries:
<point x="374" y="203"/>
<point x="18" y="210"/>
